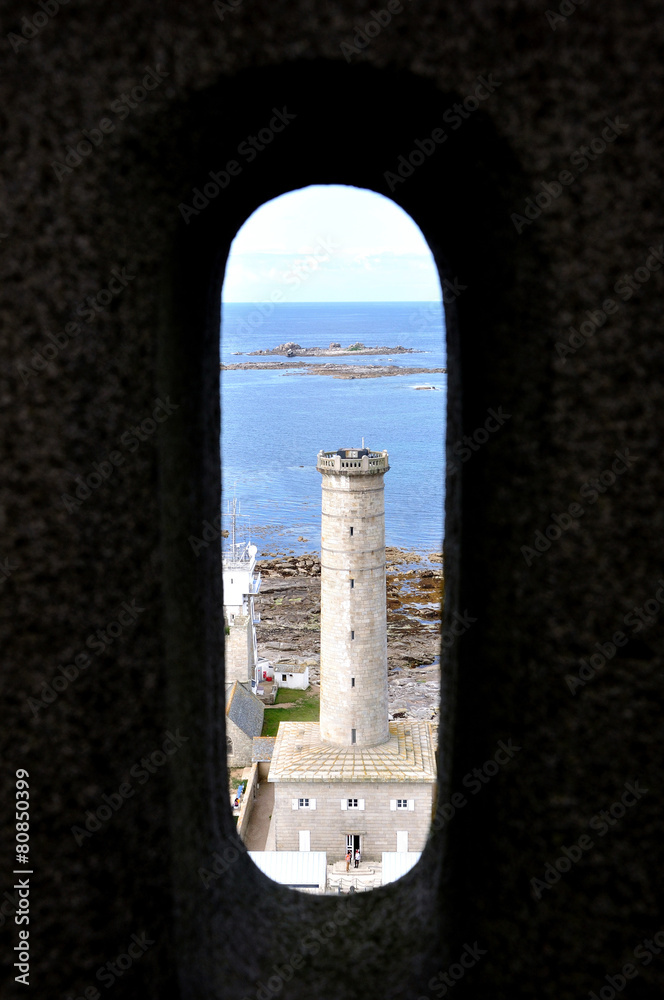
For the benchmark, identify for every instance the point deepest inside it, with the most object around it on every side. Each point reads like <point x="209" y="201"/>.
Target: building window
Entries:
<point x="351" y="532"/>
<point x="283" y="677"/>
<point x="402" y="803"/>
<point x="352" y="804"/>
<point x="352" y="682"/>
<point x="352" y="634"/>
<point x="303" y="804"/>
<point x="353" y="734"/>
<point x="352" y="584"/>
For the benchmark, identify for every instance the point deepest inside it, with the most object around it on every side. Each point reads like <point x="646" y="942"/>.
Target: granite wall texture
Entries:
<point x="353" y="623"/>
<point x="242" y="746"/>
<point x="110" y="459"/>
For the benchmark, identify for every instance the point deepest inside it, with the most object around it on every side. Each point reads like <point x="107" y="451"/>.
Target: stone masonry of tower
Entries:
<point x="353" y="647"/>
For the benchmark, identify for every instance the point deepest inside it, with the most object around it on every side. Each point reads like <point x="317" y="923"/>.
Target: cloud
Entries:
<point x="377" y="252"/>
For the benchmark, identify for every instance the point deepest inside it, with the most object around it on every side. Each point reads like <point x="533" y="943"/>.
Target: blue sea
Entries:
<point x="274" y="423"/>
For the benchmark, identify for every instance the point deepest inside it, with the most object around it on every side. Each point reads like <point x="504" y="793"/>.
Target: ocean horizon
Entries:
<point x="275" y="423"/>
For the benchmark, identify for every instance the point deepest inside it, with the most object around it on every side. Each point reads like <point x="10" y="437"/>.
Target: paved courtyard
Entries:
<point x="256" y="834"/>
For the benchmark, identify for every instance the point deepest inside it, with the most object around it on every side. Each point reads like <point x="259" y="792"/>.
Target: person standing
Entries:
<point x="357" y="858"/>
<point x="347" y="860"/>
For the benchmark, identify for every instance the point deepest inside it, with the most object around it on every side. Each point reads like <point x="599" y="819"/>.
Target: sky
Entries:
<point x="330" y="243"/>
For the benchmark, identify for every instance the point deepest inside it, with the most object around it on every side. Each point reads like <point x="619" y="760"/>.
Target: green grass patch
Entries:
<point x="306" y="709"/>
<point x="287" y="695"/>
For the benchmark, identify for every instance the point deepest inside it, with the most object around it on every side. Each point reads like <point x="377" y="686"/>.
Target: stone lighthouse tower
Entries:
<point x="353" y="646"/>
<point x="354" y="780"/>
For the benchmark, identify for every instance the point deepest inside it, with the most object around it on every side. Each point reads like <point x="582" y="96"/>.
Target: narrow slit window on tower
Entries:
<point x="352" y="634"/>
<point x="352" y="584"/>
<point x="351" y="532"/>
<point x="353" y="735"/>
<point x="352" y="682"/>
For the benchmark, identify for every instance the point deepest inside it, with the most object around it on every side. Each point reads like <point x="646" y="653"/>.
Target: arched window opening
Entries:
<point x="333" y="394"/>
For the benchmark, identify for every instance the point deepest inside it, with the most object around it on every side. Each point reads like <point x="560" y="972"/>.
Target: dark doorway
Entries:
<point x="353" y="843"/>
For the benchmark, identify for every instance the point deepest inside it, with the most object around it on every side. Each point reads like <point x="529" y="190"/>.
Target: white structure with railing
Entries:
<point x="241" y="583"/>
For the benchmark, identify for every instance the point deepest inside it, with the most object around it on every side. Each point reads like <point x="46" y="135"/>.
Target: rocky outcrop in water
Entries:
<point x="293" y="350"/>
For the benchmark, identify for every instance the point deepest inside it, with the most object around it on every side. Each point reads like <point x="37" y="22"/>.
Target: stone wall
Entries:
<point x="248" y="799"/>
<point x="239" y="650"/>
<point x="376" y="823"/>
<point x="242" y="745"/>
<point x="533" y="87"/>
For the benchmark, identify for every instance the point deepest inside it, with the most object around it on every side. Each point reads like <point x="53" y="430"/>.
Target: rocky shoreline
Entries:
<point x="293" y="350"/>
<point x="329" y="368"/>
<point x="289" y="629"/>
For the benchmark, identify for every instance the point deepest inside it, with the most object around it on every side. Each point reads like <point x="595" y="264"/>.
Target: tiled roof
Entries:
<point x="262" y="748"/>
<point x="301" y="755"/>
<point x="244" y="708"/>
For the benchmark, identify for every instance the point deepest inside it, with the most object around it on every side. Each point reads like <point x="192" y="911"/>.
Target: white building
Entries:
<point x="296" y="869"/>
<point x="241" y="583"/>
<point x="292" y="675"/>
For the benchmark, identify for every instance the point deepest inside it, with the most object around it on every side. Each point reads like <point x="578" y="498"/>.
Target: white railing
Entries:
<point x="375" y="461"/>
<point x="237" y="556"/>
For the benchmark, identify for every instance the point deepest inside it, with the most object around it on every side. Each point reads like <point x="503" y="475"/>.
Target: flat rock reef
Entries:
<point x="348" y="371"/>
<point x="329" y="368"/>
